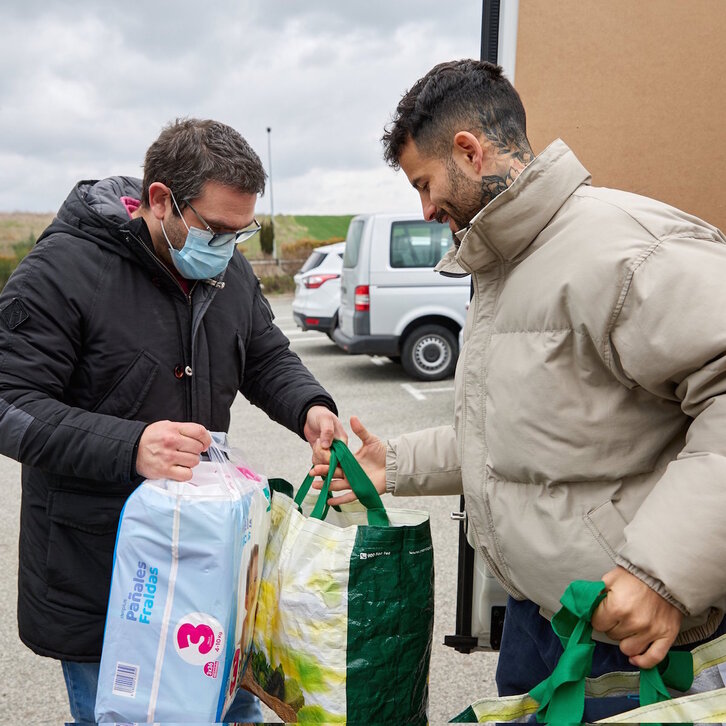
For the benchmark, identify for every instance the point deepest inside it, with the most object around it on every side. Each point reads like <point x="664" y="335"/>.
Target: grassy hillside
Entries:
<point x="321" y="228"/>
<point x="289" y="228"/>
<point x="19" y="230"/>
<point x="18" y="227"/>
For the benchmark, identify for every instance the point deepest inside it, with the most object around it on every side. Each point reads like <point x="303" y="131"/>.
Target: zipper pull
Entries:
<point x="215" y="283"/>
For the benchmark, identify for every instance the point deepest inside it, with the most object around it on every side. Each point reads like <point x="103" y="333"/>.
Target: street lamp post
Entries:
<point x="272" y="203"/>
<point x="490" y="30"/>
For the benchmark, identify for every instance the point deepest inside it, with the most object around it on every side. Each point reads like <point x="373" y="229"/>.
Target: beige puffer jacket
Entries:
<point x="590" y="417"/>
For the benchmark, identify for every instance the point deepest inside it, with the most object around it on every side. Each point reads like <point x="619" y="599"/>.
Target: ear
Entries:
<point x="469" y="152"/>
<point x="159" y="199"/>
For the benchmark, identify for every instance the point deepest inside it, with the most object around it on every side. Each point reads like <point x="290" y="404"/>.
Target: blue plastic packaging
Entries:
<point x="183" y="594"/>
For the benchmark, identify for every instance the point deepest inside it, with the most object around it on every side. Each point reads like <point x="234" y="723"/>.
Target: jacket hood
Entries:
<point x="509" y="223"/>
<point x="94" y="210"/>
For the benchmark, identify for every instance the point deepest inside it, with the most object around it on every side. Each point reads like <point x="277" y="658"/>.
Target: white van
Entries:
<point x="392" y="302"/>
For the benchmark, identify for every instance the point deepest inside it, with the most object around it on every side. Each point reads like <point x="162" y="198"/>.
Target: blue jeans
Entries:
<point x="530" y="650"/>
<point x="82" y="683"/>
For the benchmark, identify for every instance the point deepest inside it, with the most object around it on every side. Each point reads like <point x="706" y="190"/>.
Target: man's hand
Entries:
<point x="639" y="618"/>
<point x="170" y="450"/>
<point x="322" y="426"/>
<point x="371" y="456"/>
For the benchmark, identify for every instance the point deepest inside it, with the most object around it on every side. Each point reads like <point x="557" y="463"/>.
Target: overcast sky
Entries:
<point x="87" y="85"/>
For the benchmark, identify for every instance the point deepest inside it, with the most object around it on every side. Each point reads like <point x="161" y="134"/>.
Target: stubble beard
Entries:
<point x="465" y="194"/>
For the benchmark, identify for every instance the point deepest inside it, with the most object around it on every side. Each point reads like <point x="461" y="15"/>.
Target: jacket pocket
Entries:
<point x="81" y="541"/>
<point x="129" y="390"/>
<point x="241" y="356"/>
<point x="607" y="526"/>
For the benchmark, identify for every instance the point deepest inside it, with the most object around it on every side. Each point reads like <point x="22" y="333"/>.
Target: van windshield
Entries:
<point x="352" y="243"/>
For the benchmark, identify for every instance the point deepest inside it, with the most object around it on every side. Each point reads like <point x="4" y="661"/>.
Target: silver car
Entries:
<point x="317" y="289"/>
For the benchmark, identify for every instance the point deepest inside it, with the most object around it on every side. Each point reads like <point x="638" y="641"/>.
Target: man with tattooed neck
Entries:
<point x="588" y="435"/>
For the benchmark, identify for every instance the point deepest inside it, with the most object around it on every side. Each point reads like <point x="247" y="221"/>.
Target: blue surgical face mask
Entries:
<point x="196" y="260"/>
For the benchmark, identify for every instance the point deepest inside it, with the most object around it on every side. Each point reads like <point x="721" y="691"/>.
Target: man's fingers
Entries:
<point x="189" y="445"/>
<point x="602" y="619"/>
<point x="340" y="432"/>
<point x="359" y="429"/>
<point x="657" y="651"/>
<point x="339" y="484"/>
<point x="321" y="460"/>
<point x="179" y="473"/>
<point x="342" y="499"/>
<point x="606" y="620"/>
<point x="326" y="432"/>
<point x="336" y="486"/>
<point x="634" y="645"/>
<point x="187" y="461"/>
<point x="321" y="470"/>
<point x="196" y="432"/>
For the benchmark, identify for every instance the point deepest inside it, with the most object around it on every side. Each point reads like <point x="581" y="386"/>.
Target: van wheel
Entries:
<point x="429" y="353"/>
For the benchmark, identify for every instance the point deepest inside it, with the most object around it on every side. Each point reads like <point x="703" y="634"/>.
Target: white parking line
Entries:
<point x="418" y="394"/>
<point x="312" y="339"/>
<point x="305" y="334"/>
<point x="377" y="360"/>
<point x="415" y="393"/>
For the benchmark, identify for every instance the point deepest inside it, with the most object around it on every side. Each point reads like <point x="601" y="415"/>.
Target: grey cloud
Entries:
<point x="89" y="85"/>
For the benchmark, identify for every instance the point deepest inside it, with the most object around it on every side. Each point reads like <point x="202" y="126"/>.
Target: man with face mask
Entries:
<point x="590" y="408"/>
<point x="125" y="336"/>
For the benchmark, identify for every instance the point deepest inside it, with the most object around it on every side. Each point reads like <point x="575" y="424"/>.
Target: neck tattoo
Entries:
<point x="493" y="185"/>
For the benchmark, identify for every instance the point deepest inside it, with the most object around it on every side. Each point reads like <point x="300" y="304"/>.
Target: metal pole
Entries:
<point x="490" y="31"/>
<point x="463" y="641"/>
<point x="272" y="202"/>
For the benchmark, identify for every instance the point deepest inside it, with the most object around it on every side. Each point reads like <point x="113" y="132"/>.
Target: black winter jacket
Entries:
<point x="98" y="339"/>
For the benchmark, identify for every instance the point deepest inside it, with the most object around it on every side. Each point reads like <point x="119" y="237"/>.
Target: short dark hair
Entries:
<point x="464" y="95"/>
<point x="190" y="152"/>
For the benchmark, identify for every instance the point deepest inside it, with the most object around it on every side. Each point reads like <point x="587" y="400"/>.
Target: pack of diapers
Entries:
<point x="183" y="595"/>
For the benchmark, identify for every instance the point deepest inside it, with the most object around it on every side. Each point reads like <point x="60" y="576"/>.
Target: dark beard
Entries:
<point x="466" y="197"/>
<point x="489" y="188"/>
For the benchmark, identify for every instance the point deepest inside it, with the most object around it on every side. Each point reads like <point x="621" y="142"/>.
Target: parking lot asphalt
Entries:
<point x="389" y="404"/>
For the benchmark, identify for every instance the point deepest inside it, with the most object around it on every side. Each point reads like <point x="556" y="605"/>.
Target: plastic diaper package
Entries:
<point x="184" y="590"/>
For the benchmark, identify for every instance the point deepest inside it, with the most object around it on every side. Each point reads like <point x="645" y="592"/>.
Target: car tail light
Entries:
<point x="315" y="281"/>
<point x="362" y="298"/>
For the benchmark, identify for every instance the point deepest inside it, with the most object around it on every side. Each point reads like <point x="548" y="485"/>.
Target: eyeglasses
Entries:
<point x="218" y="239"/>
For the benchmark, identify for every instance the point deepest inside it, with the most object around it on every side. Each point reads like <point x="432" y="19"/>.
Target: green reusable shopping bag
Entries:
<point x="705" y="701"/>
<point x="560" y="698"/>
<point x="345" y="612"/>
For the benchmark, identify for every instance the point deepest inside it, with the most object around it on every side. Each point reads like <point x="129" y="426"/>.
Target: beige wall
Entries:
<point x="637" y="88"/>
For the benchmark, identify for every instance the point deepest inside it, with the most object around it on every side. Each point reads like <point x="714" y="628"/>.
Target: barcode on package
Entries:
<point x="124" y="682"/>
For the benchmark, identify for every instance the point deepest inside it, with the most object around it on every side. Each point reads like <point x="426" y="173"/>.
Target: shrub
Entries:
<point x="267" y="237"/>
<point x="20" y="249"/>
<point x="301" y="249"/>
<point x="7" y="265"/>
<point x="276" y="284"/>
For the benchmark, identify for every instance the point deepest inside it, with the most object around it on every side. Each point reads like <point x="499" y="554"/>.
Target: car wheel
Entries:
<point x="429" y="353"/>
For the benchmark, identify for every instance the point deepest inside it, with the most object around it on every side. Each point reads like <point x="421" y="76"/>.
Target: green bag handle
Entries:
<point x="561" y="696"/>
<point x="362" y="486"/>
<point x="302" y="492"/>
